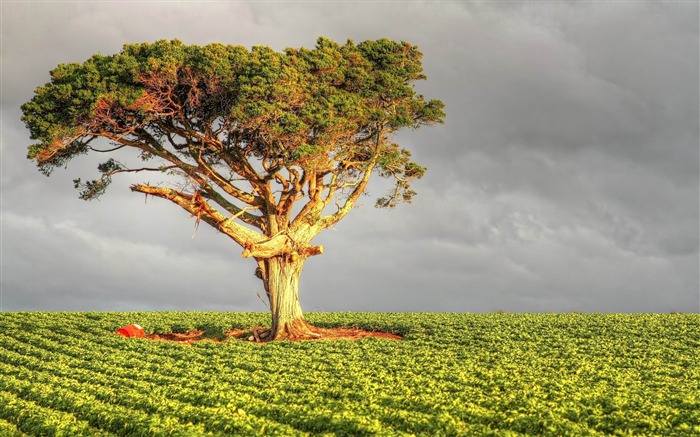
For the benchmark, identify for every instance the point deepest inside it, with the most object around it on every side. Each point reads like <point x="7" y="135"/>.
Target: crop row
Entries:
<point x="187" y="403"/>
<point x="454" y="374"/>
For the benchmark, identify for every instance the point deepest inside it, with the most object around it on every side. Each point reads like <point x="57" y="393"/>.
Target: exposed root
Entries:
<point x="295" y="330"/>
<point x="262" y="335"/>
<point x="258" y="335"/>
<point x="188" y="337"/>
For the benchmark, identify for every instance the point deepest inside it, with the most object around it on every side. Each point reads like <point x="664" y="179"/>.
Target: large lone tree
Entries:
<point x="269" y="148"/>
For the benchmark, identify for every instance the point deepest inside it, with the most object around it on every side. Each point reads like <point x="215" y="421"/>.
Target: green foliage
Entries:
<point x="395" y="162"/>
<point x="305" y="151"/>
<point x="302" y="108"/>
<point x="92" y="189"/>
<point x="453" y="374"/>
<point x="213" y="330"/>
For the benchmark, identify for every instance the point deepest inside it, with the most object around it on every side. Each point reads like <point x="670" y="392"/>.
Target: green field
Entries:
<point x="453" y="374"/>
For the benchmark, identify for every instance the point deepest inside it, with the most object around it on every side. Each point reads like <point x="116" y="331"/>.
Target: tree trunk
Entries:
<point x="280" y="274"/>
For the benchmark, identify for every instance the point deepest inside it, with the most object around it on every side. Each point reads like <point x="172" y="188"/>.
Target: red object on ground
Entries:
<point x="131" y="331"/>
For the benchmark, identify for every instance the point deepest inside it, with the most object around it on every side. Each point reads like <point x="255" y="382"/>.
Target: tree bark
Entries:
<point x="280" y="274"/>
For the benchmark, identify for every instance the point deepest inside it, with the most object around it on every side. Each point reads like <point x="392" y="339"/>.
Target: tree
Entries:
<point x="269" y="148"/>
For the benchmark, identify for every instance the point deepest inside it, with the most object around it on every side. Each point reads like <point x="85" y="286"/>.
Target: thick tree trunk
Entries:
<point x="280" y="274"/>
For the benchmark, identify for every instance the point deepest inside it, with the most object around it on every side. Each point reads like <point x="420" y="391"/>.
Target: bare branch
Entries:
<point x="137" y="170"/>
<point x="196" y="206"/>
<point x="108" y="150"/>
<point x="330" y="220"/>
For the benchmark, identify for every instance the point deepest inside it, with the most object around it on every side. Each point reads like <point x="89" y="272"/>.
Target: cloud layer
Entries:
<point x="564" y="179"/>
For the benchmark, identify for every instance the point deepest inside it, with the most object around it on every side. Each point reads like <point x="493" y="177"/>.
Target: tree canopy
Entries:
<point x="270" y="147"/>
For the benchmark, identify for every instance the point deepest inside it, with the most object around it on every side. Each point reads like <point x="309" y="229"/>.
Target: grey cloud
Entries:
<point x="564" y="179"/>
<point x="82" y="270"/>
<point x="41" y="35"/>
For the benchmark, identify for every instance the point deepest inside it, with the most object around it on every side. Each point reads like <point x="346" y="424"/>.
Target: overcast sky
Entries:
<point x="564" y="179"/>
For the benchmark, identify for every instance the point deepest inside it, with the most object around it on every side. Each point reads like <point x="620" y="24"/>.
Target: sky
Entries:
<point x="565" y="177"/>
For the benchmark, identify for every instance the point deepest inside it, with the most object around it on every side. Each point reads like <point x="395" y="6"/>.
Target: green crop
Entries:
<point x="68" y="374"/>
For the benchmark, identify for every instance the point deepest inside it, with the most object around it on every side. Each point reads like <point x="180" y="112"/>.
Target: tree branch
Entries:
<point x="327" y="221"/>
<point x="199" y="208"/>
